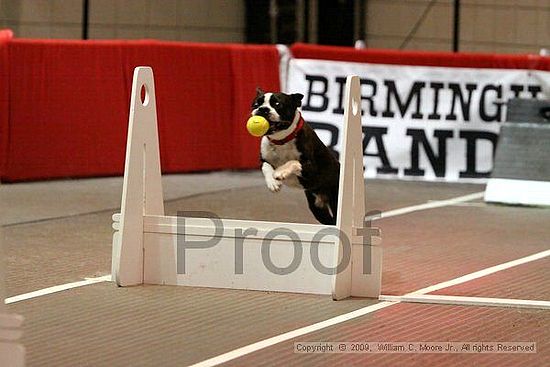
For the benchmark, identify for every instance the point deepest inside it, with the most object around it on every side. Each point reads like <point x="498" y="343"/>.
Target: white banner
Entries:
<point x="432" y="123"/>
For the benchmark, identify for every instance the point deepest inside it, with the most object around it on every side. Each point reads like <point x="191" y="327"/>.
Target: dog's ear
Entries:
<point x="259" y="92"/>
<point x="297" y="99"/>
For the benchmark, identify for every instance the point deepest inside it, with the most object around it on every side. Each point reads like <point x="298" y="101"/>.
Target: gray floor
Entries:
<point x="34" y="201"/>
<point x="60" y="231"/>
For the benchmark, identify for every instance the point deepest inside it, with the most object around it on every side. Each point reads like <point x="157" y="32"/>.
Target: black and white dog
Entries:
<point x="291" y="153"/>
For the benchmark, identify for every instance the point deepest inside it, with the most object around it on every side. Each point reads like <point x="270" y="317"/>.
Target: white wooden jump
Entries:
<point x="150" y="247"/>
<point x="12" y="353"/>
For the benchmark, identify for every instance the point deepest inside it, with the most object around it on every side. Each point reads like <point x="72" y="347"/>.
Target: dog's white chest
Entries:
<point x="277" y="155"/>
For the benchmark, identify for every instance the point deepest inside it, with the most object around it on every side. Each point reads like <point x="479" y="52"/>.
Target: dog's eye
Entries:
<point x="256" y="104"/>
<point x="276" y="104"/>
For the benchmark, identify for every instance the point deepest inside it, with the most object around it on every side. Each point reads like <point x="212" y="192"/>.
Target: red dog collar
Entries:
<point x="290" y="136"/>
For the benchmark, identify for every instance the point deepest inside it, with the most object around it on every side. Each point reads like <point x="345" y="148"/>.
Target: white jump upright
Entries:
<point x="148" y="247"/>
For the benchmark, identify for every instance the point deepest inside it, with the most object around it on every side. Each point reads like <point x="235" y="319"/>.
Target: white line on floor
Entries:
<point x="237" y="353"/>
<point x="222" y="358"/>
<point x="481" y="273"/>
<point x="432" y="205"/>
<point x="468" y="301"/>
<point x="478" y="204"/>
<point x="57" y="288"/>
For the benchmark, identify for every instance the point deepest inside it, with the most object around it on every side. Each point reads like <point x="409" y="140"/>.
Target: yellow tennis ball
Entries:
<point x="257" y="125"/>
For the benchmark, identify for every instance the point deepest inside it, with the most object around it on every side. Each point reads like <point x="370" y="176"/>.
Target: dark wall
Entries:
<point x="335" y="22"/>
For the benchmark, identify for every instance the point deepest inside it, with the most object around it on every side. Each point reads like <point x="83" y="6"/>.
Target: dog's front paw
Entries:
<point x="280" y="175"/>
<point x="288" y="169"/>
<point x="273" y="185"/>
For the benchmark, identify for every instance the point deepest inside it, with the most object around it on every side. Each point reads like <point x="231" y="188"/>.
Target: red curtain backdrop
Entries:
<point x="69" y="101"/>
<point x="64" y="104"/>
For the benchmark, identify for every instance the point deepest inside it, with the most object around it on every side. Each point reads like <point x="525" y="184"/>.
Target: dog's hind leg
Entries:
<point x="320" y="208"/>
<point x="333" y="203"/>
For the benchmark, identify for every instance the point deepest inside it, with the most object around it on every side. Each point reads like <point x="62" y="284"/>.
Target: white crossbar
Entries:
<point x="149" y="247"/>
<point x="204" y="226"/>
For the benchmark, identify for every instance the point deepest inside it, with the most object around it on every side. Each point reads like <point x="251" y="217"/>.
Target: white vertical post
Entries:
<point x="357" y="279"/>
<point x="142" y="190"/>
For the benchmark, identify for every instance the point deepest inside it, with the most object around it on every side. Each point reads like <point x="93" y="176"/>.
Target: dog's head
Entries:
<point x="278" y="109"/>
